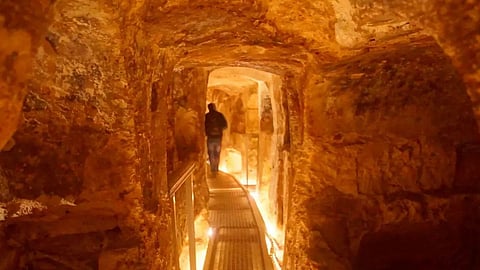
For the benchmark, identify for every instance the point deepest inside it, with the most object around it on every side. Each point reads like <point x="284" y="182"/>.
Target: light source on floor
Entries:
<point x="210" y="232"/>
<point x="272" y="233"/>
<point x="201" y="243"/>
<point x="223" y="168"/>
<point x="275" y="251"/>
<point x="254" y="195"/>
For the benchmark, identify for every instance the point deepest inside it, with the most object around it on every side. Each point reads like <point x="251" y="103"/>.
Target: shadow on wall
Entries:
<point x="416" y="246"/>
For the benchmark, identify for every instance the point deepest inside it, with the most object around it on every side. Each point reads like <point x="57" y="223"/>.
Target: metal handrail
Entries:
<point x="182" y="176"/>
<point x="262" y="228"/>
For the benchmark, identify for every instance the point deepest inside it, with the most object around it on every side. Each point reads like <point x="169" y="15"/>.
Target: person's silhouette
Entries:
<point x="215" y="123"/>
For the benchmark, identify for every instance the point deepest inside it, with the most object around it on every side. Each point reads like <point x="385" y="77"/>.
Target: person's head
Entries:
<point x="211" y="107"/>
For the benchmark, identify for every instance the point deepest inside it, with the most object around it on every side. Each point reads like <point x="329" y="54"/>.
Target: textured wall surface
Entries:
<point x="22" y="24"/>
<point x="383" y="146"/>
<point x="84" y="151"/>
<point x="376" y="122"/>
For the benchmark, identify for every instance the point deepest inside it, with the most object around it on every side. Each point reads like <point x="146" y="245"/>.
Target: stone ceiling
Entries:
<point x="237" y="80"/>
<point x="282" y="36"/>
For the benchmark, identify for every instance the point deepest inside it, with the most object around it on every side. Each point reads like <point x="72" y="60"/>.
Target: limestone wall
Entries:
<point x="373" y="142"/>
<point x="22" y="25"/>
<point x="90" y="147"/>
<point x="382" y="137"/>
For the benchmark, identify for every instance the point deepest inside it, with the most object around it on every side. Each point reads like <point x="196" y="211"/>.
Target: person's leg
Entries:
<point x="211" y="153"/>
<point x="216" y="152"/>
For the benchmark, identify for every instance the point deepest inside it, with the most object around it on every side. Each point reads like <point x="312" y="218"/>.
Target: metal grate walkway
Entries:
<point x="237" y="243"/>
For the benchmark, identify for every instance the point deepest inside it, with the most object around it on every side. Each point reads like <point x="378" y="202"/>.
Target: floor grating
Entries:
<point x="236" y="245"/>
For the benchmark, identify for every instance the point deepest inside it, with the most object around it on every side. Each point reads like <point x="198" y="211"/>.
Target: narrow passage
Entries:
<point x="237" y="242"/>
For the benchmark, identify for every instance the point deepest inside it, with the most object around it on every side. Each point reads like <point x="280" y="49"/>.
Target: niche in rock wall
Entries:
<point x="238" y="116"/>
<point x="186" y="121"/>
<point x="266" y="116"/>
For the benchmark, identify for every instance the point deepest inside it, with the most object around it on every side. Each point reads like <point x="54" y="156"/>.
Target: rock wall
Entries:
<point x="190" y="87"/>
<point x="382" y="133"/>
<point x="382" y="141"/>
<point x="456" y="28"/>
<point x="74" y="105"/>
<point x="91" y="147"/>
<point x="22" y="25"/>
<point x="150" y="74"/>
<point x="455" y="25"/>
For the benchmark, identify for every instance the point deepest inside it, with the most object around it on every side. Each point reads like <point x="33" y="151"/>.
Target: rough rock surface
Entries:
<point x="370" y="147"/>
<point x="22" y="25"/>
<point x="383" y="150"/>
<point x="85" y="138"/>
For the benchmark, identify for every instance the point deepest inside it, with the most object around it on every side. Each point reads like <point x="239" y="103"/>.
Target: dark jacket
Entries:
<point x="215" y="123"/>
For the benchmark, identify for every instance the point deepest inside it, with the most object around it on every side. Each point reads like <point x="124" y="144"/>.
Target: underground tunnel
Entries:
<point x="353" y="126"/>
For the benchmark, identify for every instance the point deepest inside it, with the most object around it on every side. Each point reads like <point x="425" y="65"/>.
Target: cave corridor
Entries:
<point x="353" y="123"/>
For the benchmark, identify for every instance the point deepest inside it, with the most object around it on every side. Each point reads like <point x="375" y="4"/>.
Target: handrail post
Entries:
<point x="177" y="264"/>
<point x="185" y="177"/>
<point x="191" y="223"/>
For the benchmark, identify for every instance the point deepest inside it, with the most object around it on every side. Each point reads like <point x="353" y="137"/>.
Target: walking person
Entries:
<point x="215" y="123"/>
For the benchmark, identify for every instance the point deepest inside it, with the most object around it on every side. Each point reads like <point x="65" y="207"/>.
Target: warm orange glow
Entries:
<point x="272" y="235"/>
<point x="222" y="167"/>
<point x="254" y="195"/>
<point x="233" y="161"/>
<point x="202" y="234"/>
